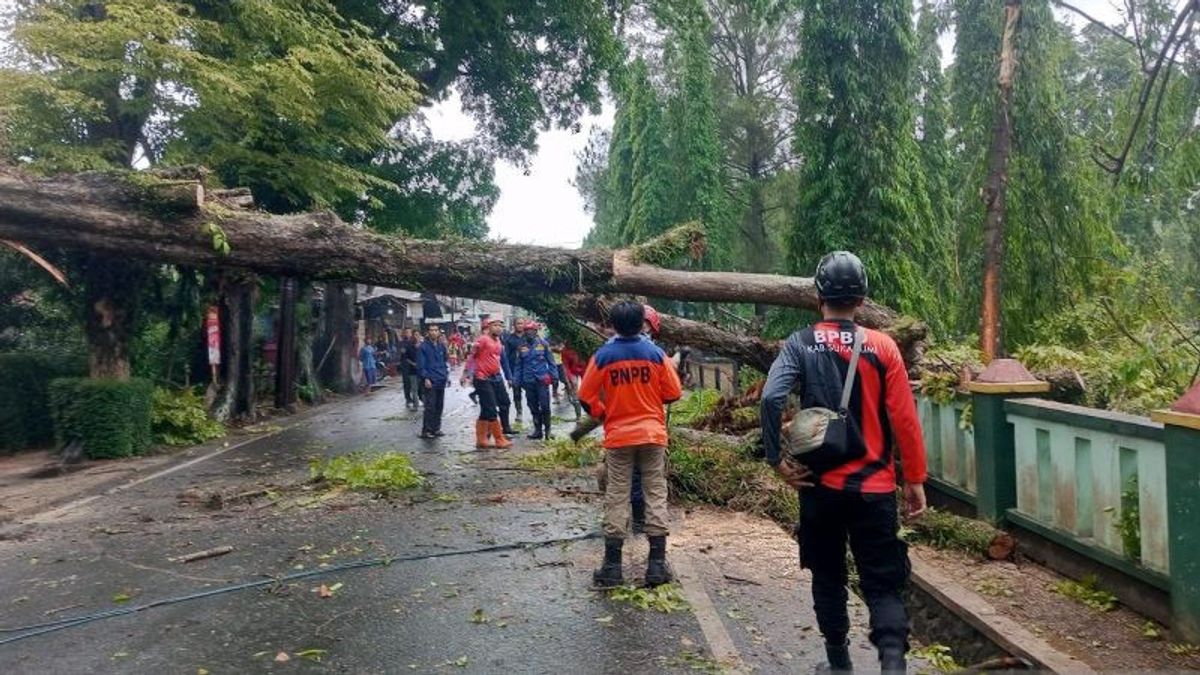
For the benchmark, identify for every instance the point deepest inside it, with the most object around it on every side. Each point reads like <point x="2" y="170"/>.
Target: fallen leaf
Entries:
<point x="201" y="671"/>
<point x="312" y="654"/>
<point x="336" y="587"/>
<point x="462" y="661"/>
<point x="324" y="592"/>
<point x="282" y="657"/>
<point x="478" y="616"/>
<point x="604" y="619"/>
<point x="121" y="597"/>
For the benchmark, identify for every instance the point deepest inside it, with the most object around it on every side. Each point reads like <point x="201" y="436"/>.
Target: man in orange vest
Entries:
<point x="627" y="383"/>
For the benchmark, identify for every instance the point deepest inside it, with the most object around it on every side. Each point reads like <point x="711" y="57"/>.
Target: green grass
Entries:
<point x="564" y="454"/>
<point x="384" y="472"/>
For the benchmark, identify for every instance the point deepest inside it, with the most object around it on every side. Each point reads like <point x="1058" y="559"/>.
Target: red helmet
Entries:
<point x="532" y="325"/>
<point x="653" y="319"/>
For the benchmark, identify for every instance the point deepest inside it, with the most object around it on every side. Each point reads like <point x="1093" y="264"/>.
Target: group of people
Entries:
<point x="847" y="490"/>
<point x="855" y="375"/>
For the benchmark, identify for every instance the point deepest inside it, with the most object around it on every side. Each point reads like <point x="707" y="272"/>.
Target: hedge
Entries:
<point x="110" y="417"/>
<point x="24" y="401"/>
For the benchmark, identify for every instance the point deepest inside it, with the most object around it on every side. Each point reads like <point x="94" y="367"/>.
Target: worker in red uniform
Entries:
<point x="854" y="495"/>
<point x="490" y="386"/>
<point x="627" y="383"/>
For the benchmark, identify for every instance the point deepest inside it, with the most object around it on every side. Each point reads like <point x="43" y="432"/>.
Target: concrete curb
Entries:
<point x="980" y="615"/>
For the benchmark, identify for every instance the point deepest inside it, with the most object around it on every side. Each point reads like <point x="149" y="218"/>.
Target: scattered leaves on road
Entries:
<point x="666" y="598"/>
<point x="312" y="654"/>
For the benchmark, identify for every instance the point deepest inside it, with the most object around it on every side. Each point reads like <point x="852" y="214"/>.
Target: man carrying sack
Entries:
<point x="856" y="406"/>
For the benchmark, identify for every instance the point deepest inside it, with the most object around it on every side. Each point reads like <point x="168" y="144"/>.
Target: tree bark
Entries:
<point x="307" y="353"/>
<point x="110" y="292"/>
<point x="338" y="343"/>
<point x="995" y="190"/>
<point x="285" y="354"/>
<point x="236" y="399"/>
<point x="103" y="213"/>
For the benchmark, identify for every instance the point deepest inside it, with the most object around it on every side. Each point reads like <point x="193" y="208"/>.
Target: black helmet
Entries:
<point x="841" y="276"/>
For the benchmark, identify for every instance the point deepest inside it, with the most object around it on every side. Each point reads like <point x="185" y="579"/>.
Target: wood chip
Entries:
<point x="201" y="555"/>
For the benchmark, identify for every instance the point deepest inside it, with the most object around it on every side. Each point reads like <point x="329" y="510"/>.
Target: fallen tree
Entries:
<point x="170" y="220"/>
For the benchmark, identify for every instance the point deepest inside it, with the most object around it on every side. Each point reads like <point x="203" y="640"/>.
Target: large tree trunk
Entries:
<point x="995" y="190"/>
<point x="236" y="399"/>
<point x="167" y="223"/>
<point x="173" y="223"/>
<point x="305" y="346"/>
<point x="111" y="297"/>
<point x="285" y="355"/>
<point x="337" y="348"/>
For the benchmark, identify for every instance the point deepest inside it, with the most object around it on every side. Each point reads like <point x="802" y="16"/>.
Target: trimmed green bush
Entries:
<point x="24" y="402"/>
<point x="110" y="417"/>
<point x="179" y="418"/>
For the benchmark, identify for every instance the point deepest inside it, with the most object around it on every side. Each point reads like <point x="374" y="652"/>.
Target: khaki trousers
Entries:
<point x="619" y="463"/>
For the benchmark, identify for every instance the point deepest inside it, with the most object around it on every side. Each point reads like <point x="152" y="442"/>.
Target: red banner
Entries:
<point x="212" y="326"/>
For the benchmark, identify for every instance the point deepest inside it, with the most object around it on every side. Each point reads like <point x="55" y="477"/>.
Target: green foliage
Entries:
<point x="1088" y="592"/>
<point x="381" y="472"/>
<point x="111" y="418"/>
<point x="697" y="405"/>
<point x="944" y="530"/>
<point x="564" y="454"/>
<point x="717" y="473"/>
<point x="862" y="187"/>
<point x="939" y="656"/>
<point x="25" y="419"/>
<point x="666" y="598"/>
<point x="179" y="418"/>
<point x="1128" y="521"/>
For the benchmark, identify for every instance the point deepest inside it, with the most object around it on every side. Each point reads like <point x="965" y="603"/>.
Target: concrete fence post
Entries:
<point x="995" y="453"/>
<point x="1182" y="440"/>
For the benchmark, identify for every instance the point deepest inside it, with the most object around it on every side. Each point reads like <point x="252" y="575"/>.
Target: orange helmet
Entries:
<point x="653" y="319"/>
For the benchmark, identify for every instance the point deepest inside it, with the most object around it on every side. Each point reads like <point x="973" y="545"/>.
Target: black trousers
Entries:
<point x="435" y="400"/>
<point x="409" y="379"/>
<point x="828" y="518"/>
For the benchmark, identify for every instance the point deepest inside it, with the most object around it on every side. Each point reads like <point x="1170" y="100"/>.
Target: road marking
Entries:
<point x="718" y="639"/>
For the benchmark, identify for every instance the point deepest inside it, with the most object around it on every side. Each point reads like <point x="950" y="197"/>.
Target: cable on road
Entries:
<point x="71" y="622"/>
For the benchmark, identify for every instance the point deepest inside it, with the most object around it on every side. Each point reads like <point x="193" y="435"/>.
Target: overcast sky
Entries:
<point x="537" y="205"/>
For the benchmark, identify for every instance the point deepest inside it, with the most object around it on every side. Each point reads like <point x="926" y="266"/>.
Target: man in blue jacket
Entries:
<point x="434" y="369"/>
<point x="535" y="371"/>
<point x="512" y="343"/>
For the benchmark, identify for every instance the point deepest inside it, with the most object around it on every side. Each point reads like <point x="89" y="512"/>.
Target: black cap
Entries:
<point x="841" y="276"/>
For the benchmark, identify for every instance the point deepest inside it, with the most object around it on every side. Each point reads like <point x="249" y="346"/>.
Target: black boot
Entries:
<point x="505" y="425"/>
<point x="609" y="575"/>
<point x="537" y="427"/>
<point x="657" y="571"/>
<point x="639" y="516"/>
<point x="546" y="425"/>
<point x="838" y="659"/>
<point x="891" y="661"/>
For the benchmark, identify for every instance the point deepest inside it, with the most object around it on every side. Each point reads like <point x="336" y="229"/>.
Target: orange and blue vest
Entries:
<point x="627" y="383"/>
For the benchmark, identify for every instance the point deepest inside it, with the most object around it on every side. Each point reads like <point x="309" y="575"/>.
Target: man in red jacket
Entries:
<point x="626" y="385"/>
<point x="856" y="498"/>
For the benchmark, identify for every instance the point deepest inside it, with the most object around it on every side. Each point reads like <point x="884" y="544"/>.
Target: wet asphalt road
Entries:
<point x="526" y="610"/>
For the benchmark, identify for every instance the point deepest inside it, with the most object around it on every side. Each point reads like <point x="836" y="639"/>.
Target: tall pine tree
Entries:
<point x="861" y="185"/>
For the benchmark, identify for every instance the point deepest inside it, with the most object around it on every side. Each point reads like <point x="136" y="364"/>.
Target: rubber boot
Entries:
<point x="657" y="571"/>
<point x="609" y="575"/>
<point x="546" y="425"/>
<point x="498" y="434"/>
<point x="639" y="516"/>
<point x="504" y="423"/>
<point x="838" y="659"/>
<point x="891" y="662"/>
<point x="481" y="435"/>
<point x="536" y="418"/>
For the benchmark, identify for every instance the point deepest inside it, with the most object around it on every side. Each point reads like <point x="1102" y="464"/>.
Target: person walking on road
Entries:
<point x="845" y="471"/>
<point x="627" y="383"/>
<point x="434" y="368"/>
<point x="536" y="371"/>
<point x="408" y="368"/>
<point x="366" y="356"/>
<point x="490" y="386"/>
<point x="512" y="344"/>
